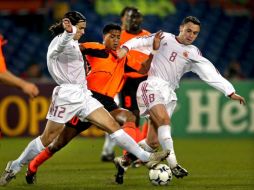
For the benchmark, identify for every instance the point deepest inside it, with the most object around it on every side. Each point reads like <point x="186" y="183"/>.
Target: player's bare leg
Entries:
<point x="126" y="119"/>
<point x="66" y="135"/>
<point x="104" y="120"/>
<point x="161" y="119"/>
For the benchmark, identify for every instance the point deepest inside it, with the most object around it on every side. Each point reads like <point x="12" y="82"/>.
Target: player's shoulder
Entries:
<point x="194" y="49"/>
<point x="145" y="32"/>
<point x="168" y="35"/>
<point x="53" y="43"/>
<point x="92" y="45"/>
<point x="165" y="34"/>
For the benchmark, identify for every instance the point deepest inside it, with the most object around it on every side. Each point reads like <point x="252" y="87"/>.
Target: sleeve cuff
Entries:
<point x="231" y="94"/>
<point x="125" y="47"/>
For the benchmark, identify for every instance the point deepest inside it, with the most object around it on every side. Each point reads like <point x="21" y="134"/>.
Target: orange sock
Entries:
<point x="130" y="129"/>
<point x="139" y="136"/>
<point x="39" y="159"/>
<point x="144" y="130"/>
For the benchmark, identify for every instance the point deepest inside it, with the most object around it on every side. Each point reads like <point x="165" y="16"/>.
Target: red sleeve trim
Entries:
<point x="231" y="94"/>
<point x="126" y="48"/>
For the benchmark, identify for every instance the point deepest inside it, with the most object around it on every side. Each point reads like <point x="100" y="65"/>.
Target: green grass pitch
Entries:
<point x="213" y="164"/>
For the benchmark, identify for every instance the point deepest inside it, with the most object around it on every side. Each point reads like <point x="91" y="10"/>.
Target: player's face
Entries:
<point x="188" y="33"/>
<point x="133" y="21"/>
<point x="111" y="39"/>
<point x="81" y="27"/>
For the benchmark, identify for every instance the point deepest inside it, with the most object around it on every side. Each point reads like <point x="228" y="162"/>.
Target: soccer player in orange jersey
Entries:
<point x="131" y="19"/>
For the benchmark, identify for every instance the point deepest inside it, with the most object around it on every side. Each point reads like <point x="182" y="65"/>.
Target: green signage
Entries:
<point x="204" y="111"/>
<point x="201" y="111"/>
<point x="152" y="7"/>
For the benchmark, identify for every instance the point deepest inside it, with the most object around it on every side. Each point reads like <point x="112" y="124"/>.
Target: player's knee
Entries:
<point x="50" y="133"/>
<point x="54" y="148"/>
<point x="162" y="121"/>
<point x="48" y="137"/>
<point x="46" y="140"/>
<point x="130" y="117"/>
<point x="56" y="145"/>
<point x="112" y="126"/>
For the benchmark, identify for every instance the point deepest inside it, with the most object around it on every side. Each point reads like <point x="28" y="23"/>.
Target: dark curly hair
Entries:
<point x="112" y="26"/>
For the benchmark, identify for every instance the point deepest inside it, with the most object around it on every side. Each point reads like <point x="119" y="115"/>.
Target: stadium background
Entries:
<point x="213" y="136"/>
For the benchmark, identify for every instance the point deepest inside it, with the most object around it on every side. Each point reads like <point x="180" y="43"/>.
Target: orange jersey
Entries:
<point x="137" y="57"/>
<point x="2" y="60"/>
<point x="107" y="72"/>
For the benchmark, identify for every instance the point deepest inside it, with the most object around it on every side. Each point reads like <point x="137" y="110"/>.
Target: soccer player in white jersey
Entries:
<point x="156" y="96"/>
<point x="72" y="98"/>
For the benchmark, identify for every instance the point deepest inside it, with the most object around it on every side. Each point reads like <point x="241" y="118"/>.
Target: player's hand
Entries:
<point x="30" y="89"/>
<point x="238" y="98"/>
<point x="67" y="25"/>
<point x="157" y="39"/>
<point x="122" y="52"/>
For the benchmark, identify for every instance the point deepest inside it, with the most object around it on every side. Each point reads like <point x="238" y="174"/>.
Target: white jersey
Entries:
<point x="173" y="59"/>
<point x="66" y="66"/>
<point x="65" y="61"/>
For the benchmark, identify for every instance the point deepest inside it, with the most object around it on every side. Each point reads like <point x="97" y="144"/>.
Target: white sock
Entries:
<point x="109" y="145"/>
<point x="166" y="141"/>
<point x="123" y="140"/>
<point x="145" y="146"/>
<point x="32" y="149"/>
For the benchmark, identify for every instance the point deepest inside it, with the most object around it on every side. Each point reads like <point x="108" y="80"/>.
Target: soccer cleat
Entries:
<point x="108" y="157"/>
<point x="156" y="158"/>
<point x="30" y="176"/>
<point x="179" y="171"/>
<point x="121" y="166"/>
<point x="7" y="175"/>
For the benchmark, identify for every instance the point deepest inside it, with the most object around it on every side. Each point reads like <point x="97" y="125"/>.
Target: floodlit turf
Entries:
<point x="214" y="164"/>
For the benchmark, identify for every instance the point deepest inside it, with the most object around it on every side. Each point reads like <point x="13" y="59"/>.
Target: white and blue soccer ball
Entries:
<point x="160" y="175"/>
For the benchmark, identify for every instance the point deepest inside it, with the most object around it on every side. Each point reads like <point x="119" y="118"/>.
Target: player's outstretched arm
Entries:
<point x="136" y="43"/>
<point x="122" y="52"/>
<point x="7" y="77"/>
<point x="237" y="97"/>
<point x="207" y="72"/>
<point x="157" y="40"/>
<point x="145" y="66"/>
<point x="28" y="88"/>
<point x="63" y="40"/>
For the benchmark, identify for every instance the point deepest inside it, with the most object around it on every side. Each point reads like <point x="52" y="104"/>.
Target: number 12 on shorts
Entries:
<point x="57" y="111"/>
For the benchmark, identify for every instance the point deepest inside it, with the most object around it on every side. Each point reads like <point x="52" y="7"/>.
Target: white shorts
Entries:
<point x="70" y="100"/>
<point x="155" y="91"/>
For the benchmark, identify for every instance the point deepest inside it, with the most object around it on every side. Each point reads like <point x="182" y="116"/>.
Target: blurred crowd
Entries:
<point x="226" y="37"/>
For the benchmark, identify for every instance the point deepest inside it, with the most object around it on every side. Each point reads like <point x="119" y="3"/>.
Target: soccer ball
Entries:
<point x="160" y="175"/>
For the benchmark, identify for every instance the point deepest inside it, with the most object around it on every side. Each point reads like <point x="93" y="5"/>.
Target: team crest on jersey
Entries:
<point x="186" y="54"/>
